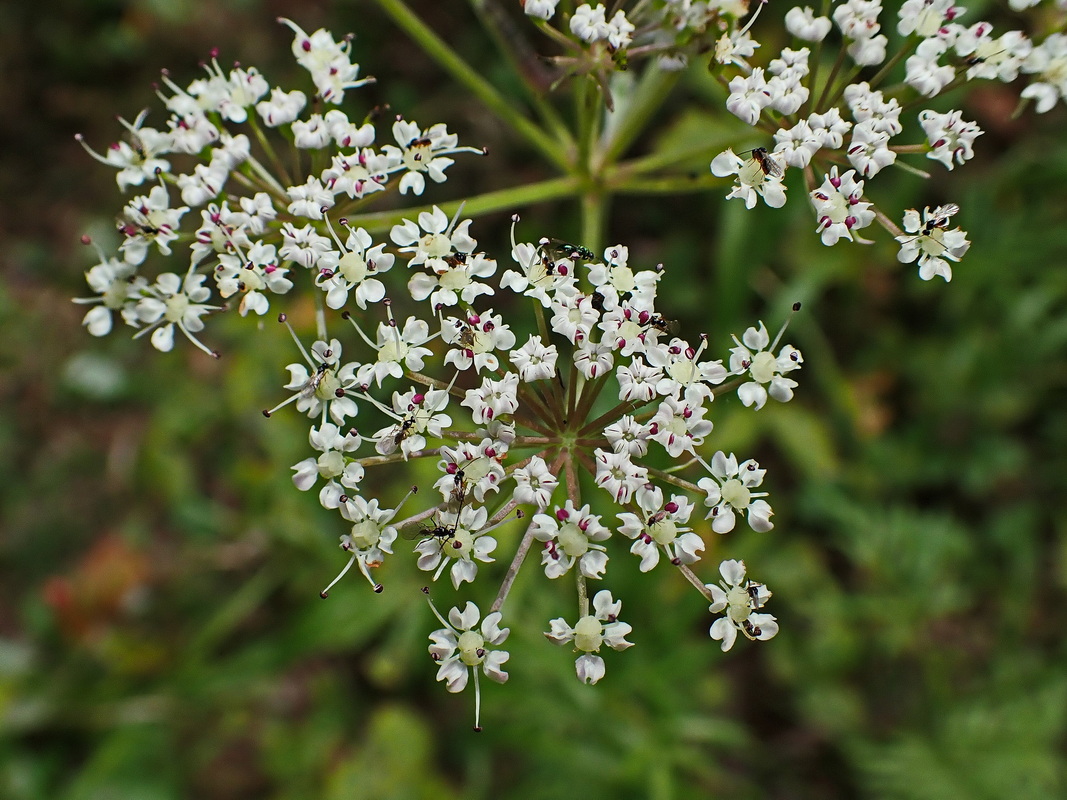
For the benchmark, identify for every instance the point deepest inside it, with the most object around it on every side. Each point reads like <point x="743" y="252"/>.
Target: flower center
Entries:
<point x="738" y="601"/>
<point x="736" y="494"/>
<point x="352" y="267"/>
<point x="471" y="648"/>
<point x="763" y="367"/>
<point x="664" y="531"/>
<point x="176" y="307"/>
<point x="365" y="534"/>
<point x="573" y="541"/>
<point x="588" y="634"/>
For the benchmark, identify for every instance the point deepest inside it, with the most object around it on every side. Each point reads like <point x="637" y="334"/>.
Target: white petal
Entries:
<point x="590" y="668"/>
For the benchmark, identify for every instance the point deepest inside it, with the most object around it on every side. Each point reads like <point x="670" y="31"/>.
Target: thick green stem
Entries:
<point x="488" y="203"/>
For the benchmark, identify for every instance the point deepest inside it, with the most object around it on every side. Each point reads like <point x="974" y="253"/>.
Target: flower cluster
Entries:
<point x="830" y="114"/>
<point x="606" y="386"/>
<point x="820" y="122"/>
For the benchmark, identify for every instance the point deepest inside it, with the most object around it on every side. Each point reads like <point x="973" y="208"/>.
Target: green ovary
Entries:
<point x="588" y="634"/>
<point x="573" y="542"/>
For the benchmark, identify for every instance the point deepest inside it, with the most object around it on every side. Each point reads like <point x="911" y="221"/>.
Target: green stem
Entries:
<point x="490" y="202"/>
<point x="525" y="63"/>
<point x="440" y="51"/>
<point x="667" y="185"/>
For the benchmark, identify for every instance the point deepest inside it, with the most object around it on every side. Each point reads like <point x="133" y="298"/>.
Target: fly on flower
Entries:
<point x="315" y="380"/>
<point x="663" y="325"/>
<point x="939" y="217"/>
<point x="563" y="249"/>
<point x="402" y="428"/>
<point x="768" y="163"/>
<point x="440" y="532"/>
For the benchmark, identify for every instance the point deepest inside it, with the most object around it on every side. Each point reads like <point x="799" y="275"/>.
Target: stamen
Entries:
<point x="477" y="702"/>
<point x="326" y="592"/>
<point x="282" y="318"/>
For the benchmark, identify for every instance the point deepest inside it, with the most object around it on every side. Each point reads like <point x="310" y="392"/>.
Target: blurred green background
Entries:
<point x="160" y="630"/>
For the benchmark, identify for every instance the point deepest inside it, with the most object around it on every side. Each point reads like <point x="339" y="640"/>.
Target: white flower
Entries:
<point x="470" y="470"/>
<point x="353" y="266"/>
<point x="1049" y="62"/>
<point x="752" y="179"/>
<point x="730" y="489"/>
<point x="627" y="435"/>
<point x="535" y="361"/>
<point x="417" y="415"/>
<point x="397" y="349"/>
<point x="148" y="220"/>
<point x="304" y="246"/>
<point x="252" y="273"/>
<point x="754" y="359"/>
<point x="592" y="632"/>
<point x="422" y="153"/>
<point x="588" y="23"/>
<point x="309" y="200"/>
<point x="924" y="17"/>
<point x="679" y="426"/>
<point x="474" y="339"/>
<point x="282" y="107"/>
<point x="463" y="647"/>
<point x="139" y="162"/>
<point x="617" y="474"/>
<point x="931" y="242"/>
<point x="660" y="527"/>
<point x="684" y="374"/>
<point x="534" y="483"/>
<point x="570" y="537"/>
<point x="924" y="73"/>
<point x="839" y="208"/>
<point x="321" y="390"/>
<point x="174" y="302"/>
<point x="950" y="136"/>
<point x="869" y="149"/>
<point x="739" y="598"/>
<point x="357" y="174"/>
<point x="332" y="464"/>
<point x="748" y="97"/>
<point x="493" y="398"/>
<point x="369" y="539"/>
<point x="802" y="23"/>
<point x="458" y="539"/>
<point x="541" y="9"/>
<point x="327" y="61"/>
<point x="117" y="288"/>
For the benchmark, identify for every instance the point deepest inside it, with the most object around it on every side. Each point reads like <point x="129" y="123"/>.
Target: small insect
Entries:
<point x="753" y="590"/>
<point x="456" y="260"/>
<point x="128" y="227"/>
<point x="566" y="249"/>
<point x="669" y="326"/>
<point x="975" y="60"/>
<point x="315" y="381"/>
<point x="403" y="429"/>
<point x="939" y="218"/>
<point x="420" y="141"/>
<point x="458" y="493"/>
<point x="752" y="631"/>
<point x="770" y="165"/>
<point x="442" y="533"/>
<point x="468" y="336"/>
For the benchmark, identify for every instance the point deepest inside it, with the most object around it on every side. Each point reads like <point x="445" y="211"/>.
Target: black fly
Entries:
<point x="770" y="166"/>
<point x="566" y="249"/>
